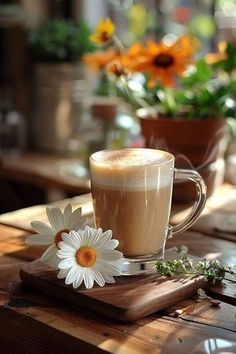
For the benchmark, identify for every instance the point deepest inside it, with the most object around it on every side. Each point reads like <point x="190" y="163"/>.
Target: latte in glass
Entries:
<point x="131" y="191"/>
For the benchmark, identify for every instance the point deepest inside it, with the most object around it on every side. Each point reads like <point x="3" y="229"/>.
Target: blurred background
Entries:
<point x="51" y="111"/>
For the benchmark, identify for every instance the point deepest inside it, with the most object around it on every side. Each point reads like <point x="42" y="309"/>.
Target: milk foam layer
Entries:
<point x="132" y="157"/>
<point x="132" y="169"/>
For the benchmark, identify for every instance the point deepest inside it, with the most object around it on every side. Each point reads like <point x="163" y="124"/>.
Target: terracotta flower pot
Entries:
<point x="104" y="108"/>
<point x="197" y="144"/>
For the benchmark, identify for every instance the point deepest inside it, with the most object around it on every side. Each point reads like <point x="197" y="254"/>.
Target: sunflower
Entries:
<point x="88" y="255"/>
<point x="99" y="59"/>
<point x="163" y="62"/>
<point x="103" y="32"/>
<point x="51" y="235"/>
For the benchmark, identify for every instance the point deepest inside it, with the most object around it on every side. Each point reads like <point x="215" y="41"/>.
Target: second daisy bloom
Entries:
<point x="51" y="235"/>
<point x="89" y="255"/>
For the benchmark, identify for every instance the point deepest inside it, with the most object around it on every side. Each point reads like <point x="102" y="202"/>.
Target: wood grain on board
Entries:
<point x="129" y="299"/>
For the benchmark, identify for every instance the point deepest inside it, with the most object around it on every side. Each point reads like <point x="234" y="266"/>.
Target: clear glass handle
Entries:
<point x="194" y="176"/>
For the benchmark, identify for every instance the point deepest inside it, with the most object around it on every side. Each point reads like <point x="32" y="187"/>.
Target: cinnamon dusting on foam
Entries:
<point x="131" y="157"/>
<point x="131" y="169"/>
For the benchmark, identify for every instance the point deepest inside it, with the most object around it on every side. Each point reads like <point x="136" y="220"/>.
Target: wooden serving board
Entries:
<point x="129" y="299"/>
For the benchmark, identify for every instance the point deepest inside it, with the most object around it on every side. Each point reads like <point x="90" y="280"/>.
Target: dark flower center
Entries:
<point x="163" y="60"/>
<point x="119" y="70"/>
<point x="58" y="237"/>
<point x="104" y="37"/>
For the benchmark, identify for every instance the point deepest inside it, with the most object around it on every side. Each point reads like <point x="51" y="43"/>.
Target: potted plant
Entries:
<point x="60" y="82"/>
<point x="181" y="101"/>
<point x="190" y="123"/>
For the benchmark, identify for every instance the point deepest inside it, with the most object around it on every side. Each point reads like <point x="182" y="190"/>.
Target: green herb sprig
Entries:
<point x="211" y="270"/>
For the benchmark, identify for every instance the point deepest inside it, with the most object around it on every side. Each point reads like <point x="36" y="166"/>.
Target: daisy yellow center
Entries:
<point x="86" y="256"/>
<point x="163" y="60"/>
<point x="58" y="238"/>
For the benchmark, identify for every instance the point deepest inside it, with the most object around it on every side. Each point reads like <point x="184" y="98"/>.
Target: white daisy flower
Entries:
<point x="89" y="255"/>
<point x="52" y="234"/>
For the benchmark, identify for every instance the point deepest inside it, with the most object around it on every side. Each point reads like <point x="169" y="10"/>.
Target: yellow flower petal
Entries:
<point x="212" y="58"/>
<point x="103" y="32"/>
<point x="99" y="59"/>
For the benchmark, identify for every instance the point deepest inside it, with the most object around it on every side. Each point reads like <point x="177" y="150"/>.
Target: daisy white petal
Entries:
<point x="78" y="278"/>
<point x="65" y="254"/>
<point x="106" y="236"/>
<point x="94" y="229"/>
<point x="41" y="227"/>
<point x="74" y="221"/>
<point x="39" y="239"/>
<point x="65" y="237"/>
<point x="99" y="279"/>
<point x="109" y="268"/>
<point x="67" y="214"/>
<point x="88" y="236"/>
<point x="94" y="236"/>
<point x="73" y="238"/>
<point x="109" y="279"/>
<point x="67" y="263"/>
<point x="110" y="255"/>
<point x="88" y="278"/>
<point x="50" y="257"/>
<point x="55" y="218"/>
<point x="112" y="244"/>
<point x="63" y="246"/>
<point x="71" y="275"/>
<point x="62" y="273"/>
<point x="76" y="237"/>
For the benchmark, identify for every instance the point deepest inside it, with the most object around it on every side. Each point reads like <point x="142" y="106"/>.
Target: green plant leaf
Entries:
<point x="59" y="40"/>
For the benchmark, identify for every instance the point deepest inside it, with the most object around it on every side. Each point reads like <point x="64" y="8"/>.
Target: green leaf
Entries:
<point x="59" y="40"/>
<point x="199" y="74"/>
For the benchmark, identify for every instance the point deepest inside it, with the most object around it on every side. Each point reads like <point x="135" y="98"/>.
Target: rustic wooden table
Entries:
<point x="31" y="322"/>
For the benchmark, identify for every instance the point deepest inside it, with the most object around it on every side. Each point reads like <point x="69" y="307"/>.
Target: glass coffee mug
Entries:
<point x="132" y="194"/>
